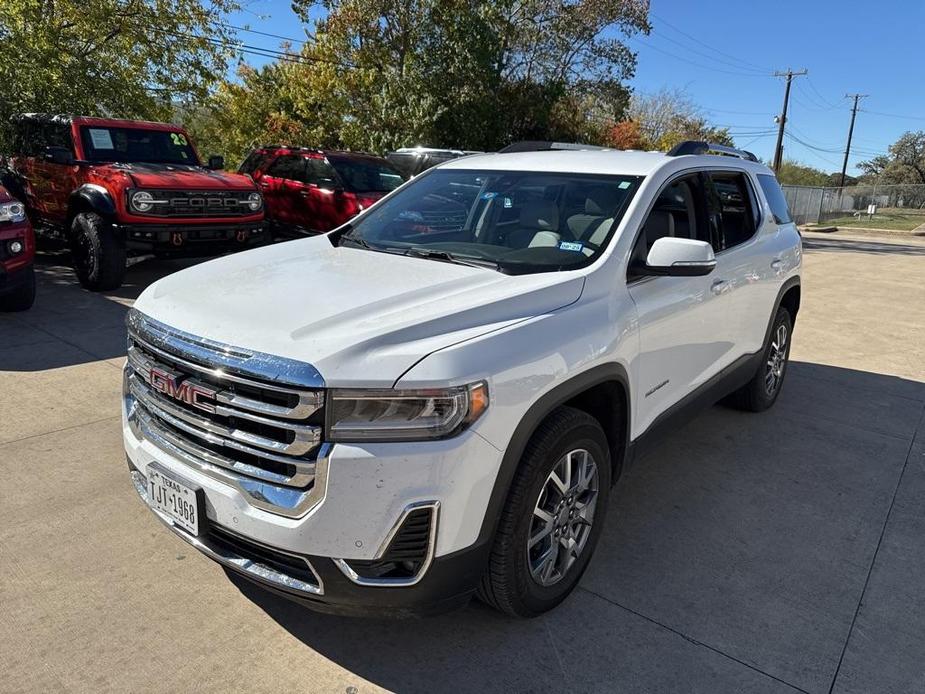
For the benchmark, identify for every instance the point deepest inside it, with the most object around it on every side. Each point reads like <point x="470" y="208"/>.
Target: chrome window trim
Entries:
<point x="230" y="559"/>
<point x="173" y="343"/>
<point x="345" y="568"/>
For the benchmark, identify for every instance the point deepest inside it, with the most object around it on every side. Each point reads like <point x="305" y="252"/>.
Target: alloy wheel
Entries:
<point x="562" y="517"/>
<point x="777" y="360"/>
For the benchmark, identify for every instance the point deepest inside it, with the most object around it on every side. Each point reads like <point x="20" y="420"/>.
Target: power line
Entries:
<point x="710" y="57"/>
<point x="812" y="85"/>
<point x="689" y="62"/>
<point x="892" y="115"/>
<point x="264" y="33"/>
<point x="712" y="48"/>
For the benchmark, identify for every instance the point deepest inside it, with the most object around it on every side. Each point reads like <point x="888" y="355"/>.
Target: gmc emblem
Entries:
<point x="172" y="385"/>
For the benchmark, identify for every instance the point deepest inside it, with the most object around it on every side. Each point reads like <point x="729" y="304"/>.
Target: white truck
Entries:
<point x="435" y="399"/>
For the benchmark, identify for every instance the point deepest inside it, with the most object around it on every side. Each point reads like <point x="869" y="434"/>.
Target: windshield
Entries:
<point x="137" y="145"/>
<point x="520" y="222"/>
<point x="367" y="176"/>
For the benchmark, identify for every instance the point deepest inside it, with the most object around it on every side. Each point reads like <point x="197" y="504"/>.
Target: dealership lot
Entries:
<point x="773" y="552"/>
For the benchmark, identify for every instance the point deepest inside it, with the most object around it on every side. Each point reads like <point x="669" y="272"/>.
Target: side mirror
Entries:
<point x="59" y="155"/>
<point x="216" y="162"/>
<point x="676" y="257"/>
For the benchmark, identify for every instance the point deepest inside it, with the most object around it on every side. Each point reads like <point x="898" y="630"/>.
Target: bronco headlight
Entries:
<point x="12" y="212"/>
<point x="403" y="415"/>
<point x="142" y="201"/>
<point x="254" y="201"/>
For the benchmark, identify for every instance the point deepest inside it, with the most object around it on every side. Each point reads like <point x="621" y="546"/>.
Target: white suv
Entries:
<point x="435" y="399"/>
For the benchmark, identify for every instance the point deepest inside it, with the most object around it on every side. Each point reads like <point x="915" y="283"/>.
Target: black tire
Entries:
<point x="22" y="298"/>
<point x="757" y="395"/>
<point x="98" y="252"/>
<point x="508" y="584"/>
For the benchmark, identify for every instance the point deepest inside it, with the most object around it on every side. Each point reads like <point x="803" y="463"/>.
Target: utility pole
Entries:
<point x="779" y="150"/>
<point x="854" y="112"/>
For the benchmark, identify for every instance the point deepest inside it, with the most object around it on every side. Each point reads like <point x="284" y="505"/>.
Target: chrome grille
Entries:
<point x="232" y="413"/>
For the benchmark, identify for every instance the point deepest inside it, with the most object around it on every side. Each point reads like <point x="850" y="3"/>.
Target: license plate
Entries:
<point x="175" y="497"/>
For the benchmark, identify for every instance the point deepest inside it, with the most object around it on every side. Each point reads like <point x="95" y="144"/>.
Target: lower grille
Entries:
<point x="222" y="409"/>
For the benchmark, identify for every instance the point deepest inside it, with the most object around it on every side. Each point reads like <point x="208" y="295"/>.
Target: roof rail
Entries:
<point x="697" y="147"/>
<point x="543" y="146"/>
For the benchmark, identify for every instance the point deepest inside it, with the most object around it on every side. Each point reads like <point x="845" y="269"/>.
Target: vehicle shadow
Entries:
<point x="717" y="567"/>
<point x="69" y="325"/>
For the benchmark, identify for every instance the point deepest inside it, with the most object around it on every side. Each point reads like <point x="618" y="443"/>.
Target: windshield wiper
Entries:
<point x="446" y="256"/>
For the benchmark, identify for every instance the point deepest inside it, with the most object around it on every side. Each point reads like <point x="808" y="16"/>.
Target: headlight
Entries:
<point x="12" y="212"/>
<point x="254" y="201"/>
<point x="142" y="201"/>
<point x="403" y="415"/>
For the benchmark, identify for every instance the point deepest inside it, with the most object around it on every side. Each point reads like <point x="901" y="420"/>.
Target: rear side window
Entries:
<point x="734" y="206"/>
<point x="776" y="198"/>
<point x="290" y="166"/>
<point x="320" y="173"/>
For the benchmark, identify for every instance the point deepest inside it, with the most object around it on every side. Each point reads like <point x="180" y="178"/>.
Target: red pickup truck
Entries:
<point x="112" y="188"/>
<point x="17" y="252"/>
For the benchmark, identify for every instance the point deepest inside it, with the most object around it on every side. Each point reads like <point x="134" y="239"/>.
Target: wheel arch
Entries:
<point x="90" y="198"/>
<point x="603" y="392"/>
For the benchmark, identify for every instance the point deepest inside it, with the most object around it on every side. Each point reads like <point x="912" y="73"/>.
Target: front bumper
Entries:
<point x="177" y="240"/>
<point x="366" y="493"/>
<point x="11" y="281"/>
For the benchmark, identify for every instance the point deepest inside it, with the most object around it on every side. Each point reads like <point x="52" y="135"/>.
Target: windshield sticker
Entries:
<point x="508" y="203"/>
<point x="571" y="246"/>
<point x="178" y="139"/>
<point x="488" y="196"/>
<point x="624" y="185"/>
<point x="100" y="139"/>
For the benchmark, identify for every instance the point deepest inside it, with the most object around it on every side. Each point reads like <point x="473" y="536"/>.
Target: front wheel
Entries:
<point x="22" y="298"/>
<point x="98" y="252"/>
<point x="761" y="392"/>
<point x="553" y="518"/>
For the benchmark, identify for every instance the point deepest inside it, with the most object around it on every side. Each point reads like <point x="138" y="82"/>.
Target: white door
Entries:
<point x="684" y="332"/>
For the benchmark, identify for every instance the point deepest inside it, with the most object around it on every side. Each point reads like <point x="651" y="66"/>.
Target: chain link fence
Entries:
<point x="898" y="206"/>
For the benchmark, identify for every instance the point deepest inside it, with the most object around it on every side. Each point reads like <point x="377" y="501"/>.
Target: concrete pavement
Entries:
<point x="775" y="552"/>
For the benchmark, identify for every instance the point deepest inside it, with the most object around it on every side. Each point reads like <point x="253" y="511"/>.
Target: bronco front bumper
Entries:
<point x="193" y="239"/>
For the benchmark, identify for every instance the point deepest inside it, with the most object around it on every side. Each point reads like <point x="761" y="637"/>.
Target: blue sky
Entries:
<point x="722" y="54"/>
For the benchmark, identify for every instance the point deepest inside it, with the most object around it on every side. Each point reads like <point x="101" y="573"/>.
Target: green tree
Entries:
<point x="904" y="164"/>
<point x="796" y="174"/>
<point x="475" y="74"/>
<point x="129" y="58"/>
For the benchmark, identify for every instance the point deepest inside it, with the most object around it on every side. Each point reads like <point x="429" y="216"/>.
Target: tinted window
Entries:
<point x="677" y="212"/>
<point x="136" y="145"/>
<point x="319" y="172"/>
<point x="516" y="219"/>
<point x="733" y="208"/>
<point x="776" y="198"/>
<point x="290" y="166"/>
<point x="255" y="160"/>
<point x="367" y="175"/>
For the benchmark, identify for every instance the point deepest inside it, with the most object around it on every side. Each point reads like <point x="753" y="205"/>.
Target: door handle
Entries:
<point x="719" y="286"/>
<point x="777" y="264"/>
<point x="263" y="184"/>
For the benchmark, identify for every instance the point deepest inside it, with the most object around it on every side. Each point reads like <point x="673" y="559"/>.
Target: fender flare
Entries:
<point x="785" y="287"/>
<point x="528" y="424"/>
<point x="97" y="197"/>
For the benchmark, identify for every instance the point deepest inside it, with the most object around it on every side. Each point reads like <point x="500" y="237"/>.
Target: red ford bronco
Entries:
<point x="113" y="188"/>
<point x="17" y="251"/>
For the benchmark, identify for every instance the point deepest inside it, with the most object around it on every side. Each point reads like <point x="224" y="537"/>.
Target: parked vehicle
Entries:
<point x="111" y="188"/>
<point x="309" y="191"/>
<point x="435" y="399"/>
<point x="17" y="253"/>
<point x="412" y="161"/>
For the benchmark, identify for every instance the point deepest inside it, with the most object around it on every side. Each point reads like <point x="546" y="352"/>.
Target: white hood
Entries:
<point x="360" y="317"/>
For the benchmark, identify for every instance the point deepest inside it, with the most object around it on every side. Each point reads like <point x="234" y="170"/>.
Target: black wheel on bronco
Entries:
<point x="22" y="298"/>
<point x="761" y="392"/>
<point x="553" y="517"/>
<point x="98" y="252"/>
